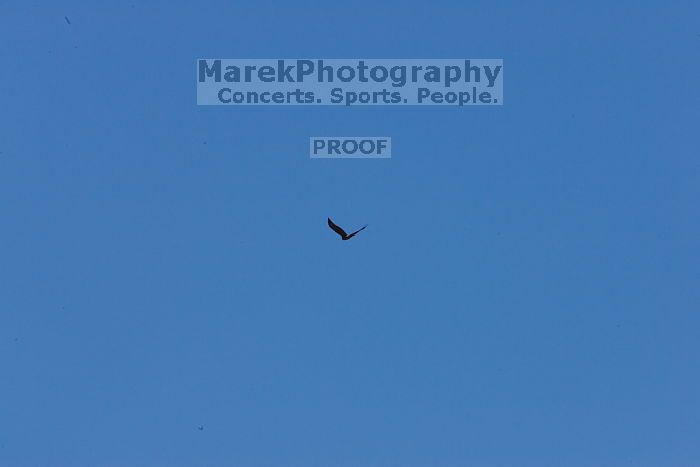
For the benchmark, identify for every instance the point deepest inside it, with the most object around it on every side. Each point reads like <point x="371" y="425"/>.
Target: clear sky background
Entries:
<point x="526" y="293"/>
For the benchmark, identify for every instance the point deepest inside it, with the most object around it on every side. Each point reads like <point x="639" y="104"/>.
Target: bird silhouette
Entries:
<point x="341" y="232"/>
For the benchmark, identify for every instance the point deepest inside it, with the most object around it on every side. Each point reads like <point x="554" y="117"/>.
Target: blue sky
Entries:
<point x="525" y="293"/>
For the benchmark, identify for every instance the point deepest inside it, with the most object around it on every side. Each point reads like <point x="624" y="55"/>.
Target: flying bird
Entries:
<point x="341" y="232"/>
<point x="67" y="20"/>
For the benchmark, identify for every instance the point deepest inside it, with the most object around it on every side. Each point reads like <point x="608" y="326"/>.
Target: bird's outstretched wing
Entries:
<point x="337" y="229"/>
<point x="356" y="232"/>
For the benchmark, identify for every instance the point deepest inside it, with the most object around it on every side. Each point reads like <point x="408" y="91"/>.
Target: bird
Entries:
<point x="200" y="427"/>
<point x="341" y="232"/>
<point x="67" y="20"/>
